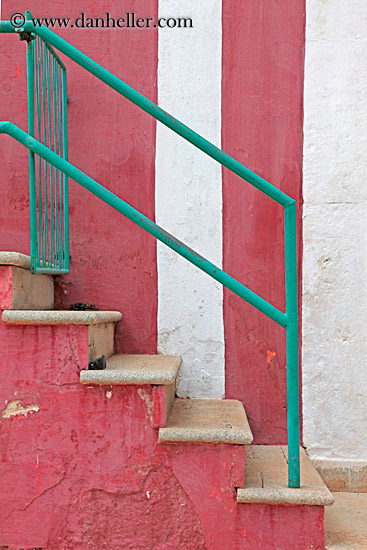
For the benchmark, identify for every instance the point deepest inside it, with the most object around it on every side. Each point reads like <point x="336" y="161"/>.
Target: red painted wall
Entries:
<point x="262" y="117"/>
<point x="113" y="263"/>
<point x="97" y="478"/>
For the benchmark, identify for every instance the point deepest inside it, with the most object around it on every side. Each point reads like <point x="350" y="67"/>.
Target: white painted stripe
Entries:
<point x="335" y="231"/>
<point x="189" y="196"/>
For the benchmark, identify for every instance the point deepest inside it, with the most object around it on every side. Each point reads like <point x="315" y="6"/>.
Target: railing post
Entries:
<point x="290" y="236"/>
<point x="32" y="162"/>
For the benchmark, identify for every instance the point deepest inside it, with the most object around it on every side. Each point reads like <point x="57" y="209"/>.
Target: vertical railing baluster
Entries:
<point x="39" y="111"/>
<point x="32" y="160"/>
<point x="55" y="149"/>
<point x="45" y="166"/>
<point x="65" y="154"/>
<point x="57" y="242"/>
<point x="49" y="201"/>
<point x="49" y="119"/>
<point x="60" y="174"/>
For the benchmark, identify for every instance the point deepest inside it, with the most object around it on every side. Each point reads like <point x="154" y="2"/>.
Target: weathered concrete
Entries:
<point x="19" y="317"/>
<point x="101" y="340"/>
<point x="157" y="370"/>
<point x="346" y="522"/>
<point x="343" y="475"/>
<point x="266" y="479"/>
<point x="20" y="289"/>
<point x="135" y="369"/>
<point x="99" y="325"/>
<point x="15" y="259"/>
<point x="31" y="291"/>
<point x="207" y="421"/>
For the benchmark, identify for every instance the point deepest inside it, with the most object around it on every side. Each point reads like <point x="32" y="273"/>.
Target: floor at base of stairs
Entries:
<point x="346" y="522"/>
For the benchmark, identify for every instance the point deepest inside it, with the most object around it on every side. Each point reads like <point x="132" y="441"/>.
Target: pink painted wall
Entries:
<point x="262" y="115"/>
<point x="113" y="263"/>
<point x="97" y="478"/>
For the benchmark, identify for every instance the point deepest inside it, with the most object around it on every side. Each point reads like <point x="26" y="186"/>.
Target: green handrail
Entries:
<point x="288" y="320"/>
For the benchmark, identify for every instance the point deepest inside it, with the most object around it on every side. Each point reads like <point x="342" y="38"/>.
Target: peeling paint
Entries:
<point x="147" y="400"/>
<point x="15" y="408"/>
<point x="270" y="355"/>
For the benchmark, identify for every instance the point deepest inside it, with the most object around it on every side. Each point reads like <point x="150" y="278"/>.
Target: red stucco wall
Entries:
<point x="113" y="263"/>
<point x="262" y="116"/>
<point x="81" y="467"/>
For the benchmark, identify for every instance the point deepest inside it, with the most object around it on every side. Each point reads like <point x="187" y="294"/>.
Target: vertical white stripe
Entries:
<point x="335" y="230"/>
<point x="189" y="195"/>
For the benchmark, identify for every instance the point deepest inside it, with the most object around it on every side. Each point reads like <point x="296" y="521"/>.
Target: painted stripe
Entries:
<point x="189" y="196"/>
<point x="262" y="127"/>
<point x="335" y="233"/>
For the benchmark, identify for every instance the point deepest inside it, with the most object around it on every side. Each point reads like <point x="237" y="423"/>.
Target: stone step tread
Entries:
<point x="135" y="369"/>
<point x="346" y="522"/>
<point x="266" y="480"/>
<point x="207" y="421"/>
<point x="39" y="317"/>
<point x="16" y="259"/>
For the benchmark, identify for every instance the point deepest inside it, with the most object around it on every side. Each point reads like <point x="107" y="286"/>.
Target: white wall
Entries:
<point x="189" y="196"/>
<point x="335" y="230"/>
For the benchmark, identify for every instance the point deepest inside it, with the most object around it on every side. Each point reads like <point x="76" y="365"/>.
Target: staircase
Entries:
<point x="94" y="459"/>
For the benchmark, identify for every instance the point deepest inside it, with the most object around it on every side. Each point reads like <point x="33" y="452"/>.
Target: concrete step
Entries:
<point x="346" y="522"/>
<point x="98" y="325"/>
<point x="206" y="421"/>
<point x="19" y="288"/>
<point x="62" y="317"/>
<point x="159" y="371"/>
<point x="266" y="480"/>
<point x="135" y="370"/>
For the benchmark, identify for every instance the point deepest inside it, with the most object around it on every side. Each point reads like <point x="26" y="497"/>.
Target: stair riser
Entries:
<point x="21" y="290"/>
<point x="101" y="340"/>
<point x="53" y="352"/>
<point x="163" y="397"/>
<point x="264" y="526"/>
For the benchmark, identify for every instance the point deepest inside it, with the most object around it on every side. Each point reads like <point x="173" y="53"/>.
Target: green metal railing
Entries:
<point x="48" y="186"/>
<point x="289" y="319"/>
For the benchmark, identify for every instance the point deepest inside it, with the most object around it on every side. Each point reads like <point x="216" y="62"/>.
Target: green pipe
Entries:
<point x="53" y="205"/>
<point x="65" y="156"/>
<point x="145" y="223"/>
<point x="155" y="111"/>
<point x="52" y="168"/>
<point x="39" y="111"/>
<point x="291" y="292"/>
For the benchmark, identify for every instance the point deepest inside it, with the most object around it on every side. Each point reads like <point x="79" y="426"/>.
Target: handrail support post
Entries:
<point x="290" y="237"/>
